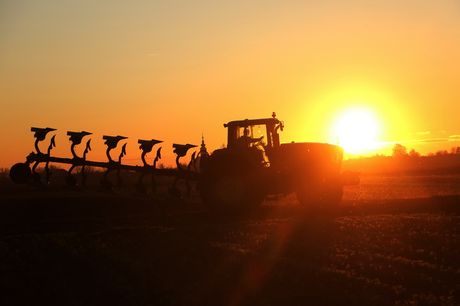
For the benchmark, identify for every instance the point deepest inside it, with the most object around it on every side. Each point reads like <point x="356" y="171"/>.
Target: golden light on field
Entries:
<point x="357" y="130"/>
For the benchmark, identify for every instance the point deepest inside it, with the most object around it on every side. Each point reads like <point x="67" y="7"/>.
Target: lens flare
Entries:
<point x="357" y="131"/>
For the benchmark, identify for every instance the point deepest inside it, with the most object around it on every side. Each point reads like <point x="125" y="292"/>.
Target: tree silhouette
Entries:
<point x="455" y="150"/>
<point x="399" y="150"/>
<point x="413" y="153"/>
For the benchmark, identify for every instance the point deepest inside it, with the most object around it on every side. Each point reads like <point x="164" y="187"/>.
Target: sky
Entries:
<point x="174" y="70"/>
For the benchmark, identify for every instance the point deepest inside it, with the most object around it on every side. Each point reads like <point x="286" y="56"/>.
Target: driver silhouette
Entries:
<point x="246" y="141"/>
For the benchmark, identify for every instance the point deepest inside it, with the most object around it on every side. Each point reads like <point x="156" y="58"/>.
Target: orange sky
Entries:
<point x="172" y="70"/>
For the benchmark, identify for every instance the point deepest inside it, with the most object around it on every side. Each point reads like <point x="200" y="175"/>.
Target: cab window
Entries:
<point x="255" y="131"/>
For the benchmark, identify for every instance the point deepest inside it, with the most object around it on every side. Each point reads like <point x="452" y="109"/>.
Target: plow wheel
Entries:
<point x="20" y="173"/>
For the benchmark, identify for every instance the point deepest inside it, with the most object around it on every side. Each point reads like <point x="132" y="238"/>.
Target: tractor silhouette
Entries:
<point x="255" y="164"/>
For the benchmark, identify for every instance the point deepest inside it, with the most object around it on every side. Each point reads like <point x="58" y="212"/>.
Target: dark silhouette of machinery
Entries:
<point x="147" y="145"/>
<point x="243" y="175"/>
<point x="254" y="164"/>
<point x="40" y="133"/>
<point x="112" y="142"/>
<point x="181" y="149"/>
<point x="23" y="173"/>
<point x="77" y="137"/>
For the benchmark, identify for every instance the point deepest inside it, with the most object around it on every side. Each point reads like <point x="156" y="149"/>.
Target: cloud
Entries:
<point x="450" y="138"/>
<point x="423" y="133"/>
<point x="454" y="137"/>
<point x="433" y="140"/>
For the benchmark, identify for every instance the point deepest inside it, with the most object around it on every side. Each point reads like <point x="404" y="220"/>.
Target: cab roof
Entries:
<point x="248" y="122"/>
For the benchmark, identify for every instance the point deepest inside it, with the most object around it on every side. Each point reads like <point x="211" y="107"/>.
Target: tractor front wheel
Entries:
<point x="230" y="193"/>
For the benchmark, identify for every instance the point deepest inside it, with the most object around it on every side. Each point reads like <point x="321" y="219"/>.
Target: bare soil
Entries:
<point x="89" y="248"/>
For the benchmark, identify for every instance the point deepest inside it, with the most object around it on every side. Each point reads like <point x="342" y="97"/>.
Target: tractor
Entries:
<point x="255" y="164"/>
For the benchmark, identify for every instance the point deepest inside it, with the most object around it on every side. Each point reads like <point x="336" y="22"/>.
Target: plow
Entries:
<point x="253" y="165"/>
<point x="27" y="172"/>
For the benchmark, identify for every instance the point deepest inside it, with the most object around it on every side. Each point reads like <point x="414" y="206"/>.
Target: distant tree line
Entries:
<point x="401" y="151"/>
<point x="407" y="161"/>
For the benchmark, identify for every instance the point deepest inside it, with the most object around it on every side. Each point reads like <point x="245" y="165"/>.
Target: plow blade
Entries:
<point x="26" y="172"/>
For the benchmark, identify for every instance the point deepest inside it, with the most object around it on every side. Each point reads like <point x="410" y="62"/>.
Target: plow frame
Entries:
<point x="27" y="172"/>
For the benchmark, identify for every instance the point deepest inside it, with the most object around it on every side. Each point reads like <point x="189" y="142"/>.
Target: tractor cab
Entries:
<point x="254" y="132"/>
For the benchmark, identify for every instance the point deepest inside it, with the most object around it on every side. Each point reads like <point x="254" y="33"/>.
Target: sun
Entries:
<point x="357" y="130"/>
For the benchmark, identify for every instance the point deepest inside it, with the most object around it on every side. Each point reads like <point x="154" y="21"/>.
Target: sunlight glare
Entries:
<point x="357" y="131"/>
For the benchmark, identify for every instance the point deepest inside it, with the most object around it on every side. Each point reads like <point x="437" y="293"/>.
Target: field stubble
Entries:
<point x="395" y="240"/>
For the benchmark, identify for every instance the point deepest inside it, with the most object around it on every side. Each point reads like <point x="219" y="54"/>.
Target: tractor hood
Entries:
<point x="311" y="153"/>
<point x="308" y="156"/>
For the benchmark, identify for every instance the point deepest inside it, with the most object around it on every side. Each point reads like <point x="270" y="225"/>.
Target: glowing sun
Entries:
<point x="356" y="131"/>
